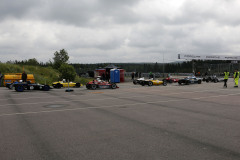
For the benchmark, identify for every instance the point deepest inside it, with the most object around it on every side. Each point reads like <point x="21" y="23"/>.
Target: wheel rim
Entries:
<point x="94" y="86"/>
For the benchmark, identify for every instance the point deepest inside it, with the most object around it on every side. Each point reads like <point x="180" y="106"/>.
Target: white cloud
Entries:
<point x="118" y="31"/>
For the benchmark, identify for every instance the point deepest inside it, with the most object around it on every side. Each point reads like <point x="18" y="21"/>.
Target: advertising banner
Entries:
<point x="208" y="57"/>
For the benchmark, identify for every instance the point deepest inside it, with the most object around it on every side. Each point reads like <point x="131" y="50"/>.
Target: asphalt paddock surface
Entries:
<point x="194" y="122"/>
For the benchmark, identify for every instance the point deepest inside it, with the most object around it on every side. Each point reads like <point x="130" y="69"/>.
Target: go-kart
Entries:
<point x="171" y="80"/>
<point x="63" y="83"/>
<point x="21" y="86"/>
<point x="190" y="80"/>
<point x="101" y="84"/>
<point x="213" y="78"/>
<point x="149" y="82"/>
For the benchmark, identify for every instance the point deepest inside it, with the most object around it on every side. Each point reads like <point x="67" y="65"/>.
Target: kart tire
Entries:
<point x="187" y="82"/>
<point x="93" y="86"/>
<point x="114" y="86"/>
<point x="58" y="85"/>
<point x="19" y="88"/>
<point x="134" y="82"/>
<point x="215" y="81"/>
<point x="207" y="80"/>
<point x="150" y="83"/>
<point x="170" y="81"/>
<point x="142" y="83"/>
<point x="164" y="82"/>
<point x="199" y="81"/>
<point x="78" y="85"/>
<point x="46" y="88"/>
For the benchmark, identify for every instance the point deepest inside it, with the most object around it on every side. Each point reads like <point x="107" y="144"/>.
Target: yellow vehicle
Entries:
<point x="63" y="83"/>
<point x="158" y="82"/>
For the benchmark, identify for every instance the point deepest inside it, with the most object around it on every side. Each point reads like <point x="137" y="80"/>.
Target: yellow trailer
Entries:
<point x="13" y="77"/>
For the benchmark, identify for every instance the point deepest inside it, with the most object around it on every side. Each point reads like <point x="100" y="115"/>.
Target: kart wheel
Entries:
<point x="78" y="85"/>
<point x="170" y="81"/>
<point x="19" y="88"/>
<point x="45" y="88"/>
<point x="164" y="83"/>
<point x="199" y="81"/>
<point x="114" y="86"/>
<point x="134" y="82"/>
<point x="58" y="85"/>
<point x="150" y="83"/>
<point x="207" y="80"/>
<point x="94" y="86"/>
<point x="215" y="81"/>
<point x="187" y="82"/>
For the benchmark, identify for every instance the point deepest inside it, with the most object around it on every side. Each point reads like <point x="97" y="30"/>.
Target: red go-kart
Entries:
<point x="171" y="80"/>
<point x="100" y="84"/>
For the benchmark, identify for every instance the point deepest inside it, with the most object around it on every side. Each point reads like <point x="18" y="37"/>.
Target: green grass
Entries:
<point x="42" y="75"/>
<point x="82" y="80"/>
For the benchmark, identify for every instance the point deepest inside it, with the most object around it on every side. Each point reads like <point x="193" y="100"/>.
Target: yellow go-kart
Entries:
<point x="63" y="83"/>
<point x="149" y="82"/>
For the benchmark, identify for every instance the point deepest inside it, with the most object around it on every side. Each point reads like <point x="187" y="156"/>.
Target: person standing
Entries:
<point x="226" y="75"/>
<point x="236" y="77"/>
<point x="107" y="76"/>
<point x="24" y="77"/>
<point x="132" y="75"/>
<point x="150" y="75"/>
<point x="1" y="76"/>
<point x="103" y="77"/>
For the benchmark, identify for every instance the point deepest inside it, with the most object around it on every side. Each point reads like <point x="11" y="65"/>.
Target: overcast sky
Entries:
<point x="96" y="31"/>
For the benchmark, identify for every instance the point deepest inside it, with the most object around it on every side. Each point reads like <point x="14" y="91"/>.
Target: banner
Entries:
<point x="208" y="57"/>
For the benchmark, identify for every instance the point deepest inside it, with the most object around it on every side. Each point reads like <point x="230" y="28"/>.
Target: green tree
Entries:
<point x="67" y="72"/>
<point x="60" y="58"/>
<point x="32" y="62"/>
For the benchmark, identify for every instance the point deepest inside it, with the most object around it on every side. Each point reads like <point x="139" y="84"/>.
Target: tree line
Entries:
<point x="60" y="62"/>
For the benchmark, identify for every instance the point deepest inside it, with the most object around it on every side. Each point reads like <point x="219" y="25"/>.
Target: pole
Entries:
<point x="193" y="67"/>
<point x="163" y="65"/>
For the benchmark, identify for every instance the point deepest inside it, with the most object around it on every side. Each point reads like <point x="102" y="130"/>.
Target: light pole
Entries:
<point x="163" y="65"/>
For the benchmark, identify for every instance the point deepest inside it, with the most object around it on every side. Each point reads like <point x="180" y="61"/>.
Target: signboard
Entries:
<point x="208" y="57"/>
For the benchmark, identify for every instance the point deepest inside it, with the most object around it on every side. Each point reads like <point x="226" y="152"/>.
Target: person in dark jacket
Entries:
<point x="24" y="77"/>
<point x="132" y="75"/>
<point x="1" y="76"/>
<point x="103" y="77"/>
<point x="107" y="76"/>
